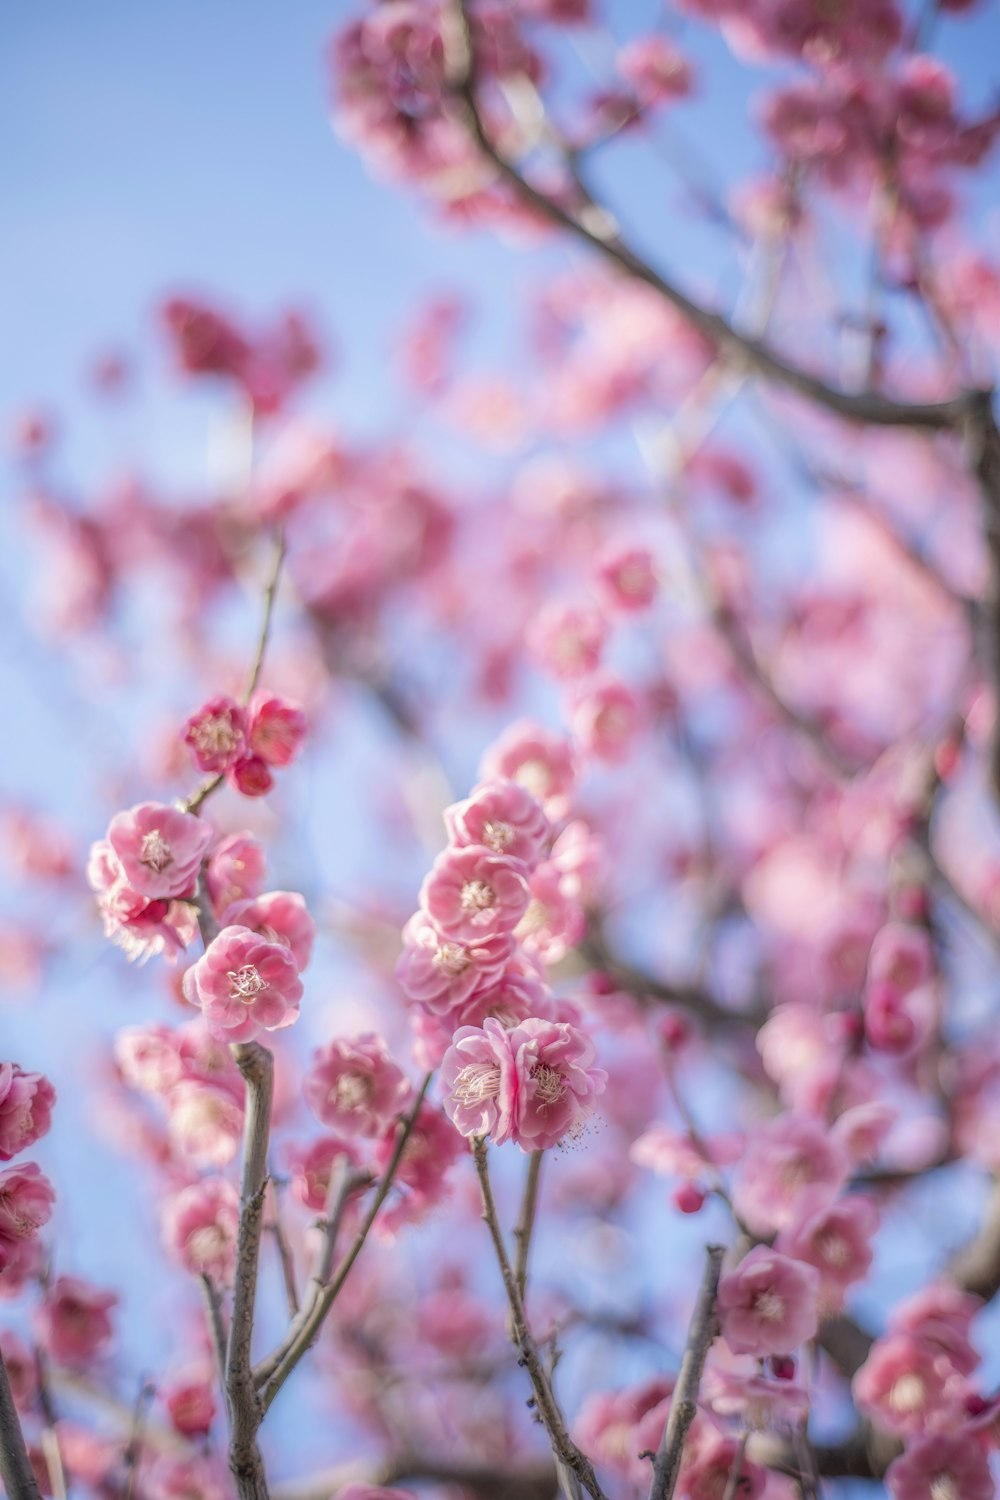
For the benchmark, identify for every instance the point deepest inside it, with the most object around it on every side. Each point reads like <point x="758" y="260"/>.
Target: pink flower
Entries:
<point x="905" y="1389"/>
<point x="312" y="1166"/>
<point x="627" y="579"/>
<point x="275" y="728"/>
<point x="234" y="871"/>
<point x="833" y="1237"/>
<point x="26" y="1199"/>
<point x="200" y="1224"/>
<point x="217" y="734"/>
<point x="606" y="719"/>
<point x="244" y="985"/>
<point x="431" y="1148"/>
<point x="204" y="1122"/>
<point x="160" y="849"/>
<point x="784" y="1157"/>
<point x="22" y="1370"/>
<point x="74" y="1322"/>
<point x="251" y="776"/>
<point x="502" y="816"/>
<point x="655" y="68"/>
<point x="901" y="956"/>
<point x="941" y="1317"/>
<point x="947" y="1464"/>
<point x="190" y="1401"/>
<point x="541" y="761"/>
<point x="568" y="639"/>
<point x="767" y="1305"/>
<point x="472" y="893"/>
<point x="533" y="1084"/>
<point x="280" y="917"/>
<point x="614" y="1427"/>
<point x="759" y="1400"/>
<point x="554" y="920"/>
<point x="354" y="1086"/>
<point x="26" y="1101"/>
<point x="709" y="1459"/>
<point x="148" y="1058"/>
<point x="441" y="973"/>
<point x="140" y="926"/>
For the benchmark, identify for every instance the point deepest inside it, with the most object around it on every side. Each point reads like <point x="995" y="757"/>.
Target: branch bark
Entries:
<point x="684" y="1405"/>
<point x="15" y="1465"/>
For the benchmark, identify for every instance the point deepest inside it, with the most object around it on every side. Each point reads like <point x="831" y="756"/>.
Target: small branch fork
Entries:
<point x="573" y="1464"/>
<point x="704" y="1325"/>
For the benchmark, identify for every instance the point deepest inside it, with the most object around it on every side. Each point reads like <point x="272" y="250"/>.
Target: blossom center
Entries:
<point x="155" y="853"/>
<point x="549" y="1085"/>
<point x="944" y="1487"/>
<point x="477" y="1082"/>
<point x="215" y="735"/>
<point x="207" y="1243"/>
<point x="497" y="836"/>
<point x="834" y="1249"/>
<point x="908" y="1394"/>
<point x="769" y="1307"/>
<point x="352" y="1091"/>
<point x="245" y="984"/>
<point x="477" y="896"/>
<point x="535" y="776"/>
<point x="452" y="959"/>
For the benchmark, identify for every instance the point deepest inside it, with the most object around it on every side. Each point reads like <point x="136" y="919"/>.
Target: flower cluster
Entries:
<point x="245" y="744"/>
<point x="499" y="903"/>
<point x="145" y="874"/>
<point x="26" y="1195"/>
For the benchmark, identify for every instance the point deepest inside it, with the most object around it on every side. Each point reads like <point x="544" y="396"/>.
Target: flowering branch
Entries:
<point x="684" y="1405"/>
<point x="571" y="1461"/>
<point x="272" y="1373"/>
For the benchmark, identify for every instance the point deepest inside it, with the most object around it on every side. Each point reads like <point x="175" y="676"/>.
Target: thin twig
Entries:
<point x="49" y="1438"/>
<point x="133" y="1450"/>
<point x="321" y="1297"/>
<point x="684" y="1405"/>
<point x="15" y="1465"/>
<point x="526" y="1221"/>
<point x="276" y="1229"/>
<point x="568" y="1456"/>
<point x="736" y="1472"/>
<point x="216" y="1326"/>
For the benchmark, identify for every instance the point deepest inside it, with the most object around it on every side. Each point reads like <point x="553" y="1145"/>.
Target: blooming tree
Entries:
<point x="611" y="1106"/>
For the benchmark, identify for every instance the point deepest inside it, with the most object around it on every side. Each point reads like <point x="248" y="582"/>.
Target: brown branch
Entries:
<point x="525" y="1225"/>
<point x="684" y="1404"/>
<point x="275" y="1370"/>
<point x="596" y="228"/>
<point x="528" y="1482"/>
<point x="15" y="1465"/>
<point x="276" y="1229"/>
<point x="216" y="1326"/>
<point x="245" y="1412"/>
<point x="571" y="1462"/>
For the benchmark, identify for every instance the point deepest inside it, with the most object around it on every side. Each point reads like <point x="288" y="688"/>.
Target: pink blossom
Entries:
<point x="784" y="1157"/>
<point x="708" y="1464"/>
<point x="278" y="916"/>
<point x="907" y="1390"/>
<point x="234" y="871"/>
<point x="835" y="1238"/>
<point x="148" y="1058"/>
<point x="22" y="1369"/>
<point x="26" y="1199"/>
<point x="568" y="639"/>
<point x="472" y="893"/>
<point x="26" y="1101"/>
<point x="504" y="817"/>
<point x="20" y="1263"/>
<point x="533" y="1084"/>
<point x="554" y="921"/>
<point x="160" y="849"/>
<point x="941" y="1317"/>
<point x="312" y="1166"/>
<point x="541" y="761"/>
<point x="759" y="1400"/>
<point x="204" y="1122"/>
<point x="901" y="956"/>
<point x="275" y="728"/>
<point x="675" y="1154"/>
<point x="251" y="776"/>
<point x="74" y="1320"/>
<point x="190" y="1401"/>
<point x="140" y="926"/>
<point x="355" y="1087"/>
<point x="217" y="734"/>
<point x="616" y="1427"/>
<point x="200" y="1225"/>
<point x="244" y="985"/>
<point x="655" y="68"/>
<point x="862" y="1129"/>
<point x="767" y="1305"/>
<point x="431" y="1148"/>
<point x="946" y="1464"/>
<point x="441" y="973"/>
<point x="605" y="719"/>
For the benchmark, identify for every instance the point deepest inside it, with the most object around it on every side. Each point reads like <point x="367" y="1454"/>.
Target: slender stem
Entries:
<point x="275" y="1370"/>
<point x="216" y="1326"/>
<point x="257" y="1067"/>
<point x="526" y="1221"/>
<point x="15" y="1465"/>
<point x="684" y="1405"/>
<point x="567" y="1454"/>
<point x="49" y="1438"/>
<point x="133" y="1452"/>
<point x="275" y="1228"/>
<point x="736" y="1472"/>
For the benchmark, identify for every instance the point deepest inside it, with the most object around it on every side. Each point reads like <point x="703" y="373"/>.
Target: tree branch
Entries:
<point x="15" y="1465"/>
<point x="275" y="1370"/>
<point x="526" y="1221"/>
<point x="568" y="1456"/>
<point x="684" y="1405"/>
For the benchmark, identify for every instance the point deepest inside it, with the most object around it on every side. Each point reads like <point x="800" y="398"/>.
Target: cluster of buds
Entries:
<point x="245" y="743"/>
